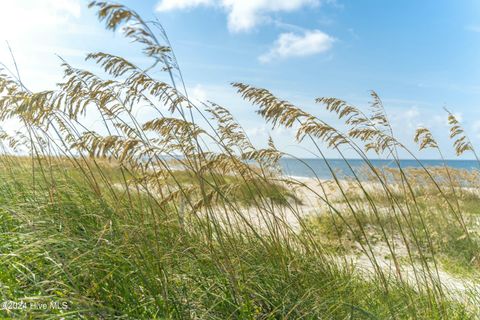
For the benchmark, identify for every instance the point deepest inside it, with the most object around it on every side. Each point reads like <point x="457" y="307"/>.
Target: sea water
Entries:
<point x="319" y="168"/>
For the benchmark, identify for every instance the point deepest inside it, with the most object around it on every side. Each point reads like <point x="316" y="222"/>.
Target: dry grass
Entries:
<point x="105" y="220"/>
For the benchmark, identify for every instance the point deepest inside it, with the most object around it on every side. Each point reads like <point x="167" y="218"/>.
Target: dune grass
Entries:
<point x="66" y="243"/>
<point x="102" y="222"/>
<point x="457" y="252"/>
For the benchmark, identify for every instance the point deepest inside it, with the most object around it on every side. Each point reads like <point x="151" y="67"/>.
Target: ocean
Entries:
<point x="310" y="168"/>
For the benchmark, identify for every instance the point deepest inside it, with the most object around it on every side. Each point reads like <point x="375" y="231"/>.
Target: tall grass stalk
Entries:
<point x="182" y="216"/>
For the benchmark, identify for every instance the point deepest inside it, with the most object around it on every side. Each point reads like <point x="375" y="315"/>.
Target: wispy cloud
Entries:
<point x="476" y="129"/>
<point x="298" y="45"/>
<point x="37" y="30"/>
<point x="168" y="5"/>
<point x="20" y="19"/>
<point x="243" y="15"/>
<point x="473" y="28"/>
<point x="199" y="93"/>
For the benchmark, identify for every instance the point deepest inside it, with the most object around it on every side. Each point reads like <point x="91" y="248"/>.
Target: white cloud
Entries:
<point x="443" y="119"/>
<point x="298" y="45"/>
<point x="412" y="112"/>
<point x="72" y="7"/>
<point x="168" y="5"/>
<point x="458" y="116"/>
<point x="199" y="94"/>
<point x="405" y="120"/>
<point x="37" y="30"/>
<point x="476" y="129"/>
<point x="23" y="19"/>
<point x="243" y="15"/>
<point x="411" y="118"/>
<point x="473" y="28"/>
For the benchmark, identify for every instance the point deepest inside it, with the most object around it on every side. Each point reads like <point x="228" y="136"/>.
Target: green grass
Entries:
<point x="81" y="249"/>
<point x="433" y="226"/>
<point x="103" y="223"/>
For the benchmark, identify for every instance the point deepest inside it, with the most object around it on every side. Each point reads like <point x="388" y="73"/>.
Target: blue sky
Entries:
<point x="420" y="56"/>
